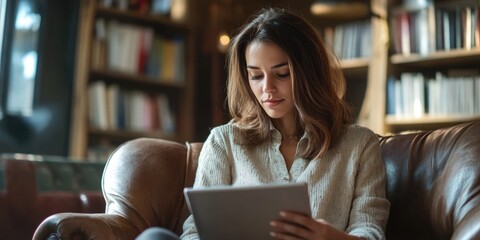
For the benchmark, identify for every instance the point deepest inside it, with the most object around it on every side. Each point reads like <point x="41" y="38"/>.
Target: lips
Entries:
<point x="272" y="102"/>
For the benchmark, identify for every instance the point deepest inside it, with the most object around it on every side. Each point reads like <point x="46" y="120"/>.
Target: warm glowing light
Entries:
<point x="339" y="9"/>
<point x="224" y="39"/>
<point x="319" y="9"/>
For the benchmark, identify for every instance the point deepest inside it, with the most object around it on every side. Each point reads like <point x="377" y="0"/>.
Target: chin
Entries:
<point x="275" y="115"/>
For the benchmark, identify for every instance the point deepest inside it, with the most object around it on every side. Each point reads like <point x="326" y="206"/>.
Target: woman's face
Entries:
<point x="270" y="79"/>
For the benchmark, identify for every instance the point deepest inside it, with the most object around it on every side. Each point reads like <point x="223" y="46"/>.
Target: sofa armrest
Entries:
<point x="142" y="185"/>
<point x="86" y="226"/>
<point x="469" y="226"/>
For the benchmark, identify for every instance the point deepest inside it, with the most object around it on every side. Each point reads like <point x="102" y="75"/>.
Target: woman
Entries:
<point x="291" y="124"/>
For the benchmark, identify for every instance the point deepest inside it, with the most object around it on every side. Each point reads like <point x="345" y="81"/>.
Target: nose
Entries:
<point x="269" y="84"/>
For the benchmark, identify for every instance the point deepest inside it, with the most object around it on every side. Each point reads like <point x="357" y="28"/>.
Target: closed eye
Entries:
<point x="283" y="75"/>
<point x="256" y="77"/>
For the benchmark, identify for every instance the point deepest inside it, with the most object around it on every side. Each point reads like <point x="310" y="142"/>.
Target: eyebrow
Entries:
<point x="276" y="66"/>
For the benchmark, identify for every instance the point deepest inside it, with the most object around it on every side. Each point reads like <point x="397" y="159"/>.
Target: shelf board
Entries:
<point x="457" y="57"/>
<point x="354" y="63"/>
<point x="429" y="120"/>
<point x="127" y="135"/>
<point x="133" y="80"/>
<point x="139" y="17"/>
<point x="353" y="68"/>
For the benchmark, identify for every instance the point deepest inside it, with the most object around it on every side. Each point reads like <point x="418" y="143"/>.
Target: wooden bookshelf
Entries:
<point x="178" y="89"/>
<point x="361" y="46"/>
<point x="449" y="67"/>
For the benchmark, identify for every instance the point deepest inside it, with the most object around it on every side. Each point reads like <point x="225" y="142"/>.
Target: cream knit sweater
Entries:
<point x="346" y="186"/>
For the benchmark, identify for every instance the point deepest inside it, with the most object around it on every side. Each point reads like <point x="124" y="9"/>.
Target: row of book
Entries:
<point x="113" y="108"/>
<point x="351" y="40"/>
<point x="176" y="9"/>
<point x="440" y="27"/>
<point x="415" y="95"/>
<point x="138" y="50"/>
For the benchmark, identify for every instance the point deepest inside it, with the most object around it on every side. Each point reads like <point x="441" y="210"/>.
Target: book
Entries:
<point x="97" y="105"/>
<point x="112" y="106"/>
<point x="391" y="110"/>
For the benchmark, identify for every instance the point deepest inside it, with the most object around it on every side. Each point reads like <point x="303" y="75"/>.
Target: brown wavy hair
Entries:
<point x="318" y="82"/>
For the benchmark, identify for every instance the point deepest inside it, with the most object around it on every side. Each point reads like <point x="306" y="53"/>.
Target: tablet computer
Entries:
<point x="243" y="212"/>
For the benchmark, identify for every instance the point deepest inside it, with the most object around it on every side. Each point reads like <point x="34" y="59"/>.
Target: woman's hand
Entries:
<point x="293" y="226"/>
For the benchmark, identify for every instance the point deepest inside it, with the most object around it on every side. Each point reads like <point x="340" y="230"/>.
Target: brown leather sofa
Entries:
<point x="433" y="183"/>
<point x="34" y="187"/>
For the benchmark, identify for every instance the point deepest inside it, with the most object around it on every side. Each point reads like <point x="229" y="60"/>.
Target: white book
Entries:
<point x="130" y="48"/>
<point x="468" y="28"/>
<point x="446" y="30"/>
<point x="100" y="29"/>
<point x="405" y="33"/>
<point x="475" y="32"/>
<point x="347" y="36"/>
<point x="136" y="110"/>
<point x="432" y="33"/>
<point x="354" y="38"/>
<point x="112" y="106"/>
<point x="113" y="44"/>
<point x="431" y="88"/>
<point x="451" y="96"/>
<point x="398" y="99"/>
<point x="442" y="85"/>
<point x="407" y="91"/>
<point x="418" y="95"/>
<point x="366" y="49"/>
<point x="469" y="89"/>
<point x="338" y="41"/>
<point x="422" y="31"/>
<point x="461" y="94"/>
<point x="477" y="94"/>
<point x="434" y="91"/>
<point x="124" y="48"/>
<point x="97" y="105"/>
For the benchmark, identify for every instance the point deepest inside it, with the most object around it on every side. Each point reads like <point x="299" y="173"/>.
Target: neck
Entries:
<point x="286" y="126"/>
<point x="292" y="137"/>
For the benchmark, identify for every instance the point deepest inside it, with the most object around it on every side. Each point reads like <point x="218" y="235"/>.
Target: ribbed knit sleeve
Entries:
<point x="370" y="208"/>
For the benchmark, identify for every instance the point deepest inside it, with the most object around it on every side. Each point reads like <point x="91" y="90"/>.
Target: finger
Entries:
<point x="291" y="229"/>
<point x="322" y="221"/>
<point x="299" y="219"/>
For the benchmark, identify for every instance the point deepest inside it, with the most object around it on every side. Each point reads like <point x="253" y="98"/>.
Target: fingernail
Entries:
<point x="273" y="224"/>
<point x="283" y="214"/>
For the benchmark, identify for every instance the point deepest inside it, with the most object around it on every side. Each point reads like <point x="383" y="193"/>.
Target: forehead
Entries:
<point x="259" y="52"/>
